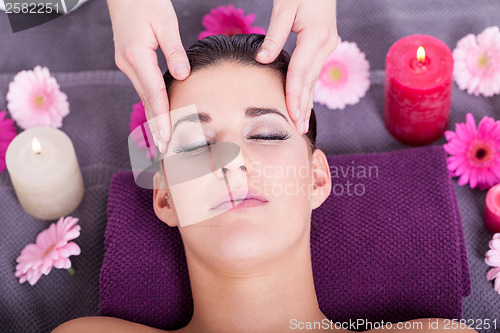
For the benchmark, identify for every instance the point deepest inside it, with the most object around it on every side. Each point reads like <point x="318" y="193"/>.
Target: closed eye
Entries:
<point x="191" y="149"/>
<point x="270" y="137"/>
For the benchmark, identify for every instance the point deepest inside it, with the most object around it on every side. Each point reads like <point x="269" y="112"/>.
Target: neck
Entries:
<point x="267" y="301"/>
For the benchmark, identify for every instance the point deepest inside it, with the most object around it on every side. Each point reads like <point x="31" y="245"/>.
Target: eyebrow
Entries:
<point x="250" y="112"/>
<point x="253" y="112"/>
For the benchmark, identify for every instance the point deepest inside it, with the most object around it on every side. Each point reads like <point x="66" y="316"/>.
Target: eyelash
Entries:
<point x="272" y="137"/>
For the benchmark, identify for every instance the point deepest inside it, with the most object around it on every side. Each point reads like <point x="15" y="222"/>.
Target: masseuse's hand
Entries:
<point x="315" y="23"/>
<point x="139" y="28"/>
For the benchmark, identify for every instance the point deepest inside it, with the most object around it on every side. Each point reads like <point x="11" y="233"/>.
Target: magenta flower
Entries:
<point x="344" y="78"/>
<point x="137" y="118"/>
<point x="34" y="99"/>
<point x="52" y="249"/>
<point x="493" y="259"/>
<point x="477" y="62"/>
<point x="475" y="155"/>
<point x="7" y="133"/>
<point x="228" y="21"/>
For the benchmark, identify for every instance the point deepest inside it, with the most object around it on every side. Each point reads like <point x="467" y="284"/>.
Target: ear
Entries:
<point x="162" y="206"/>
<point x="321" y="177"/>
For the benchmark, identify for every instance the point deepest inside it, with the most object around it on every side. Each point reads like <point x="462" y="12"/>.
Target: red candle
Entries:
<point x="492" y="209"/>
<point x="418" y="86"/>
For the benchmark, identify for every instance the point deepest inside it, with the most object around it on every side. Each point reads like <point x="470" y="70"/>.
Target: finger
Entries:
<point x="154" y="95"/>
<point x="169" y="39"/>
<point x="303" y="71"/>
<point x="152" y="132"/>
<point x="303" y="123"/>
<point x="297" y="75"/>
<point x="125" y="66"/>
<point x="311" y="99"/>
<point x="308" y="111"/>
<point x="282" y="18"/>
<point x="307" y="97"/>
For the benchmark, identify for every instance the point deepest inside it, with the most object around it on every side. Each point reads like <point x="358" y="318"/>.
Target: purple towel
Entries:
<point x="386" y="245"/>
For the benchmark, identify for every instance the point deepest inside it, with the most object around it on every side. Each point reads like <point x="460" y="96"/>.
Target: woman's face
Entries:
<point x="280" y="168"/>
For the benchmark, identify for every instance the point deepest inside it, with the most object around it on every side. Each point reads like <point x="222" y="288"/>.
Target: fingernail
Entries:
<point x="263" y="53"/>
<point x="163" y="136"/>
<point x="181" y="70"/>
<point x="297" y="114"/>
<point x="160" y="146"/>
<point x="306" y="125"/>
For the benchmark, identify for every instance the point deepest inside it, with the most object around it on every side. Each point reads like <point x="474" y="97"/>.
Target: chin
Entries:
<point x="240" y="236"/>
<point x="233" y="244"/>
<point x="244" y="241"/>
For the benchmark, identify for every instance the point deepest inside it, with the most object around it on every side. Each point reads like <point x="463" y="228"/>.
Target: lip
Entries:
<point x="241" y="199"/>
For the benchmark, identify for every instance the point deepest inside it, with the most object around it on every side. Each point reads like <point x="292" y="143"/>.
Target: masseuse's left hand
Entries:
<point x="315" y="23"/>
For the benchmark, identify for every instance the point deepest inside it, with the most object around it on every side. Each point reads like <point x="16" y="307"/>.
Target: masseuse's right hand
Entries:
<point x="139" y="28"/>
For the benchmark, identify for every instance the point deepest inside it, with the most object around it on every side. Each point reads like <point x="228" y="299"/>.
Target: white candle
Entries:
<point x="46" y="177"/>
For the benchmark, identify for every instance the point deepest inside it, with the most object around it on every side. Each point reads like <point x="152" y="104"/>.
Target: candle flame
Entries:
<point x="35" y="144"/>
<point x="421" y="54"/>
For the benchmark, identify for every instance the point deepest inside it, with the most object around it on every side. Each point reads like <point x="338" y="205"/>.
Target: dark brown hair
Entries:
<point x="239" y="49"/>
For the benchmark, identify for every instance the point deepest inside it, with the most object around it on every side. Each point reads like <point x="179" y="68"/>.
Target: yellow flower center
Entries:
<point x="38" y="100"/>
<point x="335" y="74"/>
<point x="49" y="249"/>
<point x="483" y="60"/>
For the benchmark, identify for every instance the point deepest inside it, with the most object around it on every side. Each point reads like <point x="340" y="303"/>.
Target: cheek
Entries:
<point x="285" y="181"/>
<point x="283" y="174"/>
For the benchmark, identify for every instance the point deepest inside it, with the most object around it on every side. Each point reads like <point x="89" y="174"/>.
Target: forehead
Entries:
<point x="230" y="85"/>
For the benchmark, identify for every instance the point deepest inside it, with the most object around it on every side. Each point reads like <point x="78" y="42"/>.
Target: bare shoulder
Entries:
<point x="105" y="325"/>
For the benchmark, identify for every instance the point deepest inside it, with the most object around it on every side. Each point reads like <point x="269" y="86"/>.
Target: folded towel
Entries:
<point x="386" y="245"/>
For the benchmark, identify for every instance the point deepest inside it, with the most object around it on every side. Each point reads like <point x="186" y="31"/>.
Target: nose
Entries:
<point x="234" y="174"/>
<point x="225" y="170"/>
<point x="235" y="169"/>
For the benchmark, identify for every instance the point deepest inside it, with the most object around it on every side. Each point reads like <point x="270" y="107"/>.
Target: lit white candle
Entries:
<point x="44" y="171"/>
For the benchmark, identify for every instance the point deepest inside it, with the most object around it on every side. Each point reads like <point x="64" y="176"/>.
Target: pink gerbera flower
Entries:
<point x="475" y="155"/>
<point x="52" y="248"/>
<point x="137" y="119"/>
<point x="344" y="78"/>
<point x="7" y="133"/>
<point x="228" y="21"/>
<point x="477" y="62"/>
<point x="493" y="259"/>
<point x="34" y="99"/>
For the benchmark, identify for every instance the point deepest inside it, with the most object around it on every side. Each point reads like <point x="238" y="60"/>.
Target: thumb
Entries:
<point x="277" y="34"/>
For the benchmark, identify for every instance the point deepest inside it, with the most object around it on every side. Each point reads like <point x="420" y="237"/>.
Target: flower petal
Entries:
<point x="228" y="21"/>
<point x="497" y="285"/>
<point x="34" y="261"/>
<point x="475" y="62"/>
<point x="34" y="99"/>
<point x="493" y="273"/>
<point x="59" y="263"/>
